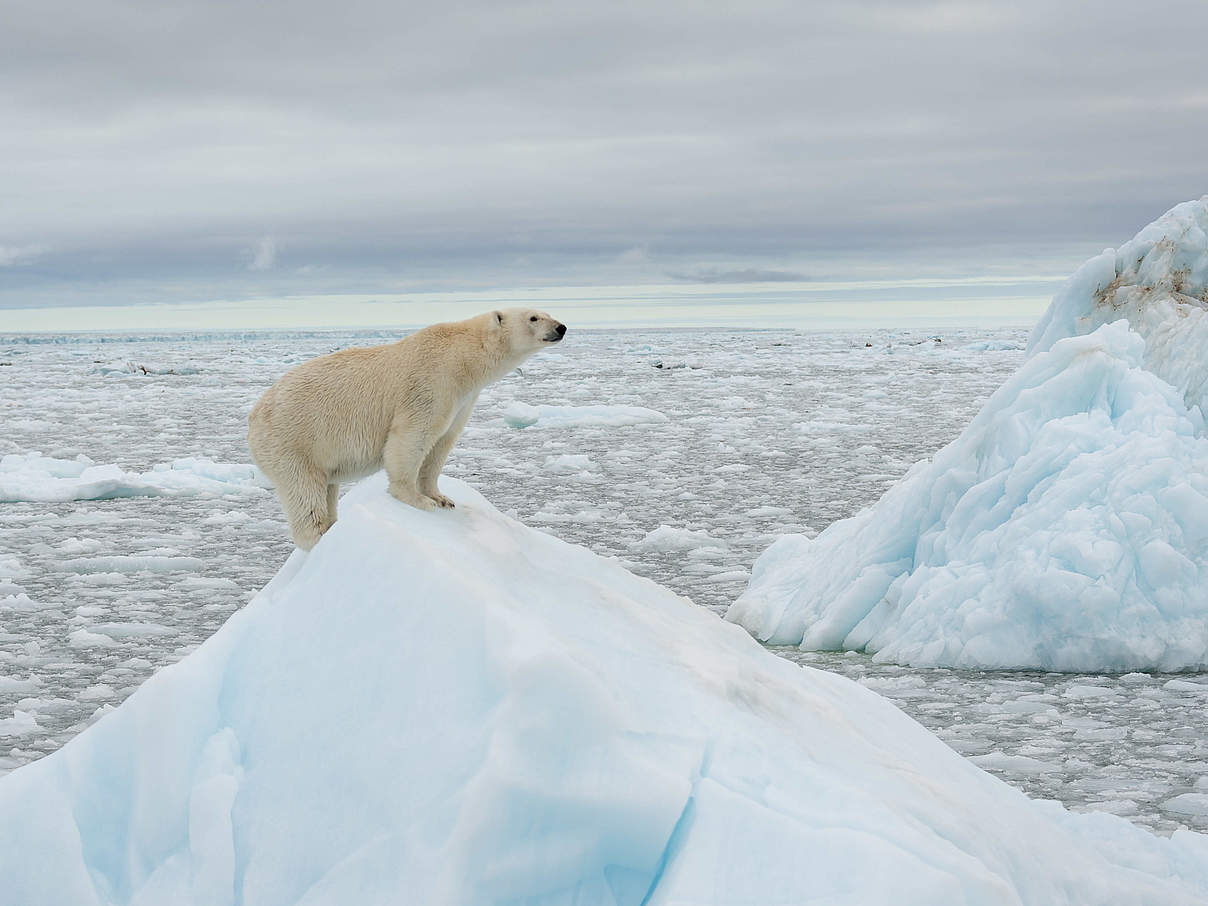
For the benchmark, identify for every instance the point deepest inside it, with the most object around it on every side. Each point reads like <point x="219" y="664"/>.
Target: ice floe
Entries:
<point x="453" y="708"/>
<point x="522" y="415"/>
<point x="20" y="724"/>
<point x="667" y="538"/>
<point x="127" y="563"/>
<point x="34" y="477"/>
<point x="570" y="463"/>
<point x="127" y="366"/>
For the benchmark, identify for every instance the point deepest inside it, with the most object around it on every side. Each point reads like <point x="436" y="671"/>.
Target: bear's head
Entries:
<point x="528" y="330"/>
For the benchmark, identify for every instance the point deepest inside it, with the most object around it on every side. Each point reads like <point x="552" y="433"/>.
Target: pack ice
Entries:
<point x="453" y="708"/>
<point x="1067" y="527"/>
<point x="34" y="477"/>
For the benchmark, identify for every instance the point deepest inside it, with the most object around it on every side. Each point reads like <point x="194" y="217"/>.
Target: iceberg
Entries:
<point x="454" y="708"/>
<point x="1067" y="527"/>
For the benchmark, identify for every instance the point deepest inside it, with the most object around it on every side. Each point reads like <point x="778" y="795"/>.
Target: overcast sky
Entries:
<point x="171" y="151"/>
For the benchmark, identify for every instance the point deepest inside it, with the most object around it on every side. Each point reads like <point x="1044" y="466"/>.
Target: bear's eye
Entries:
<point x="533" y="318"/>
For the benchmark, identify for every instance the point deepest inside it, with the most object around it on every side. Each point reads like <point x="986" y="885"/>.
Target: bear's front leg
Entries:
<point x="402" y="456"/>
<point x="429" y="472"/>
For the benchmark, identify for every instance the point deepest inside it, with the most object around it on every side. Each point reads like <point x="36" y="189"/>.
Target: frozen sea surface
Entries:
<point x="764" y="433"/>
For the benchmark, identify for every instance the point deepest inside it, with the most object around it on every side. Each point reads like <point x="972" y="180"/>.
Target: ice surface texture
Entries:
<point x="1158" y="281"/>
<point x="453" y="708"/>
<point x="1067" y="527"/>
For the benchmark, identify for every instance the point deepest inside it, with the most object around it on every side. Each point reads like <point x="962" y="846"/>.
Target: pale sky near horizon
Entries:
<point x="183" y="154"/>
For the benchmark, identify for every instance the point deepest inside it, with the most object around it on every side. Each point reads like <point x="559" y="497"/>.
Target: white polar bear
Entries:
<point x="345" y="415"/>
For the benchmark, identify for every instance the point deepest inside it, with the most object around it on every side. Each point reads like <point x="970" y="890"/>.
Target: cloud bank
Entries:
<point x="383" y="145"/>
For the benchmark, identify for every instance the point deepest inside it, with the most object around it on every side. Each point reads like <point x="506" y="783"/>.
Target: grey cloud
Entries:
<point x="386" y="142"/>
<point x="264" y="256"/>
<point x="18" y="255"/>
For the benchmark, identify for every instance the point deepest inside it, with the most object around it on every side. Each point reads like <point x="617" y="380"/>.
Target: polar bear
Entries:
<point x="402" y="405"/>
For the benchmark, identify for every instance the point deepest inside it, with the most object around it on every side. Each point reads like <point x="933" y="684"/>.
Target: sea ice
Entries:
<point x="21" y="723"/>
<point x="13" y="684"/>
<point x="97" y="692"/>
<point x="453" y="708"/>
<point x="125" y="563"/>
<point x="11" y="568"/>
<point x="1188" y="804"/>
<point x="16" y="600"/>
<point x="667" y="538"/>
<point x="126" y="366"/>
<point x="1019" y="764"/>
<point x="34" y="477"/>
<point x="569" y="463"/>
<point x="1186" y="686"/>
<point x="83" y="638"/>
<point x="522" y="415"/>
<point x="1067" y="527"/>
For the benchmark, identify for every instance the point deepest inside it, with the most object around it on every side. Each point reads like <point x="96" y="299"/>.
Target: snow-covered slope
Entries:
<point x="452" y="708"/>
<point x="1067" y="527"/>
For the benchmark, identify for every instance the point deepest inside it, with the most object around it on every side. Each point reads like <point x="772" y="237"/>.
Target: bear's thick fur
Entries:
<point x="345" y="415"/>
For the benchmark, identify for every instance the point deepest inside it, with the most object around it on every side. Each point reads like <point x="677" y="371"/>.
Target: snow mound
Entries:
<point x="34" y="477"/>
<point x="522" y="415"/>
<point x="1066" y="528"/>
<point x="453" y="708"/>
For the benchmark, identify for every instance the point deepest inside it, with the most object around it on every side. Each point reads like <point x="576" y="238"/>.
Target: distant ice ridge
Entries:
<point x="1067" y="527"/>
<point x="34" y="477"/>
<point x="453" y="708"/>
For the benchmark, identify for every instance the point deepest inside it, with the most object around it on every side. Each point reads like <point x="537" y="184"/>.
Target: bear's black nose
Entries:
<point x="561" y="329"/>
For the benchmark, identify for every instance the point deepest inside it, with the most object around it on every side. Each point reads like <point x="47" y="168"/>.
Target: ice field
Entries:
<point x="462" y="709"/>
<point x="682" y="453"/>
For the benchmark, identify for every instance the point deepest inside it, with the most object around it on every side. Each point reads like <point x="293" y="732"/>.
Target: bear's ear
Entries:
<point x="498" y="318"/>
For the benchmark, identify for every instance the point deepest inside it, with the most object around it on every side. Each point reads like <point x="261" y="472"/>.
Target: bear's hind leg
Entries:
<point x="305" y="499"/>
